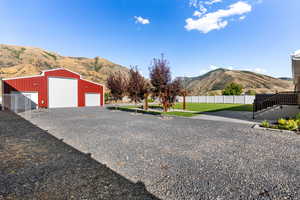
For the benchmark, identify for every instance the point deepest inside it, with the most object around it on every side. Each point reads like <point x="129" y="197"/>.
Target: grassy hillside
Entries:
<point x="23" y="61"/>
<point x="215" y="81"/>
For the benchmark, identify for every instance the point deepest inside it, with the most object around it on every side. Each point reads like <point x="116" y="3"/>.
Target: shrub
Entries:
<point x="150" y="100"/>
<point x="281" y="121"/>
<point x="298" y="122"/>
<point x="274" y="126"/>
<point x="233" y="89"/>
<point x="251" y="92"/>
<point x="265" y="124"/>
<point x="107" y="97"/>
<point x="284" y="124"/>
<point x="291" y="125"/>
<point x="298" y="116"/>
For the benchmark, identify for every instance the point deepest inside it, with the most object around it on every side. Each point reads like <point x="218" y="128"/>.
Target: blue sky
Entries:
<point x="195" y="36"/>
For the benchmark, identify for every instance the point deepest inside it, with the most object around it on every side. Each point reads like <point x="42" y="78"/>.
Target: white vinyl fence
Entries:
<point x="243" y="99"/>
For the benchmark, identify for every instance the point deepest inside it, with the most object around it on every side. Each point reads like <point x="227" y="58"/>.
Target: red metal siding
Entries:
<point x="62" y="73"/>
<point x="33" y="84"/>
<point x="40" y="84"/>
<point x="57" y="73"/>
<point x="88" y="87"/>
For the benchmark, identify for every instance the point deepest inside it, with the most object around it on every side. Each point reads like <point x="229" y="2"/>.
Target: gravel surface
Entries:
<point x="180" y="158"/>
<point x="36" y="165"/>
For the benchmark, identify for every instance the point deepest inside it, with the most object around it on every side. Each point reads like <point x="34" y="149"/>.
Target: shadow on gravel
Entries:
<point x="36" y="165"/>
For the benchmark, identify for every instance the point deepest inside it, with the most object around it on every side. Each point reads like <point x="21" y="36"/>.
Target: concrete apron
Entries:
<point x="228" y="116"/>
<point x="285" y="111"/>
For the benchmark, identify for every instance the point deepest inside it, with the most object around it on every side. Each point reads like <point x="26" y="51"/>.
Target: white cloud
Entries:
<point x="242" y="17"/>
<point x="202" y="10"/>
<point x="210" y="68"/>
<point x="203" y="71"/>
<point x="213" y="67"/>
<point x="211" y="2"/>
<point x="198" y="3"/>
<point x="215" y="20"/>
<point x="141" y="20"/>
<point x="259" y="70"/>
<point x="197" y="13"/>
<point x="195" y="3"/>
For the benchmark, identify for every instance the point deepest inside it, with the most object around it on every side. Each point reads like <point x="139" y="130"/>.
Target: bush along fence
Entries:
<point x="242" y="99"/>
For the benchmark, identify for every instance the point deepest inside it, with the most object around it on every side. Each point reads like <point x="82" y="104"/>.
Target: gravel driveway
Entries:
<point x="34" y="165"/>
<point x="182" y="158"/>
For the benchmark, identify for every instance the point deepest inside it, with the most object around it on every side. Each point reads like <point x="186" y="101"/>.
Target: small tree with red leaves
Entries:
<point x="163" y="86"/>
<point x="117" y="84"/>
<point x="137" y="87"/>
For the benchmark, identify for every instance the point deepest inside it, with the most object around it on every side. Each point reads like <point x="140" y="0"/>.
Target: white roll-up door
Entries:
<point x="92" y="99"/>
<point x="62" y="92"/>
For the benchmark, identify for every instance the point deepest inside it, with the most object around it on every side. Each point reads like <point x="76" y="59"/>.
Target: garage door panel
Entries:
<point x="62" y="92"/>
<point x="92" y="99"/>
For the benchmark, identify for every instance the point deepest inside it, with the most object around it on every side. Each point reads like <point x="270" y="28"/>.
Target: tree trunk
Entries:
<point x="146" y="102"/>
<point x="184" y="105"/>
<point x="165" y="107"/>
<point x="116" y="102"/>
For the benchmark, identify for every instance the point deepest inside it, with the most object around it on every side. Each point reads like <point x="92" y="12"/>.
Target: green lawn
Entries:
<point x="212" y="107"/>
<point x="198" y="108"/>
<point x="175" y="113"/>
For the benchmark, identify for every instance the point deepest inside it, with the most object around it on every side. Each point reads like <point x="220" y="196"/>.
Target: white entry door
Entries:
<point x="92" y="99"/>
<point x="62" y="92"/>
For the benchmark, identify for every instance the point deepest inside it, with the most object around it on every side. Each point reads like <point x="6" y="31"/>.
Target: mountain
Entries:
<point x="18" y="61"/>
<point x="215" y="81"/>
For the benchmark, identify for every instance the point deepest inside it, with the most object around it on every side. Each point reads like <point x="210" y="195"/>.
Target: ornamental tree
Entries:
<point x="137" y="86"/>
<point x="117" y="84"/>
<point x="163" y="86"/>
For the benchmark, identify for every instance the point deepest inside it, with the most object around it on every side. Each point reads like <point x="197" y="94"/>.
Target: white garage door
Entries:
<point x="92" y="99"/>
<point x="62" y="92"/>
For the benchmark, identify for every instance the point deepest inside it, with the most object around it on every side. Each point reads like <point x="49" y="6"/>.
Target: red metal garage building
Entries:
<point x="56" y="88"/>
